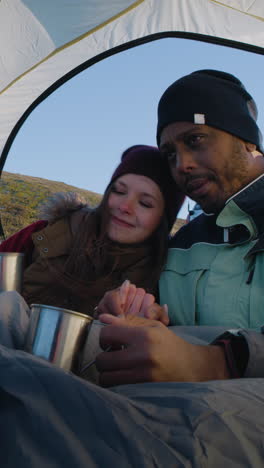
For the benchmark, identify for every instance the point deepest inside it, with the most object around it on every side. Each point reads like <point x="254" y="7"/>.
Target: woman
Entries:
<point x="79" y="253"/>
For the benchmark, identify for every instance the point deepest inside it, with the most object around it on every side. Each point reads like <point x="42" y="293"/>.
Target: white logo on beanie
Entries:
<point x="199" y="119"/>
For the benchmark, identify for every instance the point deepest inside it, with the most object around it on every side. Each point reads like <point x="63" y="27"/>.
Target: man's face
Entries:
<point x="208" y="165"/>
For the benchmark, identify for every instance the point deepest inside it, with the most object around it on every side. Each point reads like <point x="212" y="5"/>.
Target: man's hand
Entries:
<point x="153" y="353"/>
<point x="130" y="300"/>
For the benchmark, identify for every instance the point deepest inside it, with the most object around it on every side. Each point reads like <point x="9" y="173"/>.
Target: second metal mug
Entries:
<point x="11" y="271"/>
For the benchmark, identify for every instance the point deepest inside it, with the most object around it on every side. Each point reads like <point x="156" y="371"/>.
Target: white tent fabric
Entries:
<point x="42" y="41"/>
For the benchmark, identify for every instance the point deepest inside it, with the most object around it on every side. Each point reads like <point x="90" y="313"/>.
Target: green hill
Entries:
<point x="21" y="196"/>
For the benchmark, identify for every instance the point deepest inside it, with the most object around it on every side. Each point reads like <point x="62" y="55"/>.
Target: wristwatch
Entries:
<point x="236" y="352"/>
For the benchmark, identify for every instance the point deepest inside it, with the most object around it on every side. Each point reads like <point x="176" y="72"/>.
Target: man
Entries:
<point x="207" y="130"/>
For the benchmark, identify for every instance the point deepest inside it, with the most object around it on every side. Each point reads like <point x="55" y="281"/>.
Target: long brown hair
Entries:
<point x="91" y="243"/>
<point x="96" y="264"/>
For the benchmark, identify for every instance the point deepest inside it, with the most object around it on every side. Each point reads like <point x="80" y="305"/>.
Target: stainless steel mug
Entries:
<point x="57" y="335"/>
<point x="91" y="349"/>
<point x="11" y="271"/>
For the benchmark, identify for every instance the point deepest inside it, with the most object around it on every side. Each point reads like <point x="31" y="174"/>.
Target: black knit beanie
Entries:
<point x="147" y="161"/>
<point x="213" y="98"/>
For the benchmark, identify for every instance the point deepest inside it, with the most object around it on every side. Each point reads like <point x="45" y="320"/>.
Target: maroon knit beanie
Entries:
<point x="148" y="161"/>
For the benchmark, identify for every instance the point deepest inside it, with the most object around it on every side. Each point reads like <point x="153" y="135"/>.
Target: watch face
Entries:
<point x="240" y="352"/>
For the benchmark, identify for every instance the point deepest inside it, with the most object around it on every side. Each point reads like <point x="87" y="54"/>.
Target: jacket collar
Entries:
<point x="242" y="215"/>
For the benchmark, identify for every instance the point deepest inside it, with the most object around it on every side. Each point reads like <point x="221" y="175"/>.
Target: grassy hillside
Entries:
<point x="21" y="196"/>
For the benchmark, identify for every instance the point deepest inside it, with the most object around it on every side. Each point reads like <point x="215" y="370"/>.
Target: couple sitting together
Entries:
<point x="186" y="309"/>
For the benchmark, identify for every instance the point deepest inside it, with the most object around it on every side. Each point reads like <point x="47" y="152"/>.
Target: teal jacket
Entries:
<point x="214" y="273"/>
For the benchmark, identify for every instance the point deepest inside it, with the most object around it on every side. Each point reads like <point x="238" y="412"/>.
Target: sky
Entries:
<point x="78" y="133"/>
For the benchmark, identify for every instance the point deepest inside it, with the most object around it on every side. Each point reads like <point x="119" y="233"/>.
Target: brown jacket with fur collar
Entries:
<point x="52" y="246"/>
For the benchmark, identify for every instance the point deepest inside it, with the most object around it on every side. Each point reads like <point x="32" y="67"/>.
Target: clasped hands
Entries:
<point x="144" y="349"/>
<point x="128" y="300"/>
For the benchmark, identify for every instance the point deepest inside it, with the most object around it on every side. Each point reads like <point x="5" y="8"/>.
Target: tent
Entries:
<point x="45" y="43"/>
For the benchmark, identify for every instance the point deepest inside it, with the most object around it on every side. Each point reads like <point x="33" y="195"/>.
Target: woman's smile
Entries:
<point x="121" y="222"/>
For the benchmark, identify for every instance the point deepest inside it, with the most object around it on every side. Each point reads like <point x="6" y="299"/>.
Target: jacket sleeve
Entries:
<point x="21" y="241"/>
<point x="255" y="343"/>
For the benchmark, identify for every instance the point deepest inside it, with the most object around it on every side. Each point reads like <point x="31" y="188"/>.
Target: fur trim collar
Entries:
<point x="62" y="204"/>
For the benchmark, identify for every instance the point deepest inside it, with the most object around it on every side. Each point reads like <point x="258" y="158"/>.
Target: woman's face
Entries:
<point x="136" y="206"/>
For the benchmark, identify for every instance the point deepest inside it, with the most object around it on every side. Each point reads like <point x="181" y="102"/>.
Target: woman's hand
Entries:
<point x="130" y="300"/>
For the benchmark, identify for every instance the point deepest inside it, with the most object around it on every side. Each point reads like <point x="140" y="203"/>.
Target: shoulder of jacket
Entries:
<point x="62" y="204"/>
<point x="183" y="236"/>
<point x="200" y="229"/>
